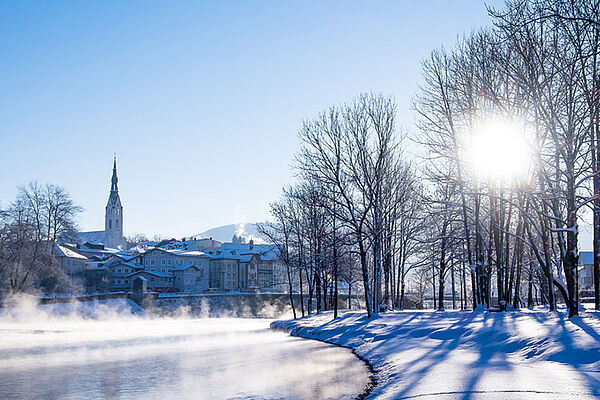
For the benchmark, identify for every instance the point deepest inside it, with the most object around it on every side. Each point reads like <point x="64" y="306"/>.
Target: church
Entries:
<point x="112" y="235"/>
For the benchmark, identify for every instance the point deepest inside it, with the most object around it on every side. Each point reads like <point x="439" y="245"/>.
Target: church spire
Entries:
<point x="113" y="219"/>
<point x="114" y="180"/>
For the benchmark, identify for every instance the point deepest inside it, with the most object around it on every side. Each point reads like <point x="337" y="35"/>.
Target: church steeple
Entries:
<point x="113" y="221"/>
<point x="114" y="180"/>
<point x="114" y="188"/>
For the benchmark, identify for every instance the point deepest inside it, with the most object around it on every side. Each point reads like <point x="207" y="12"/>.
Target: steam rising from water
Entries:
<point x="131" y="357"/>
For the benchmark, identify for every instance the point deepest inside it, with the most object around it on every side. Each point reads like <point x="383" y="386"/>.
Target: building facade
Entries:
<point x="246" y="267"/>
<point x="72" y="262"/>
<point x="189" y="279"/>
<point x="586" y="270"/>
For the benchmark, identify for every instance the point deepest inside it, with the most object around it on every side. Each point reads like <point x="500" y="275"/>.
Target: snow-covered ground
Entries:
<point x="466" y="355"/>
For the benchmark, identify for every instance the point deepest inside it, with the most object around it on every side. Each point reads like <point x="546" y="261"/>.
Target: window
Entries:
<point x="162" y="270"/>
<point x="119" y="270"/>
<point x="110" y="224"/>
<point x="116" y="223"/>
<point x="119" y="281"/>
<point x="151" y="279"/>
<point x="146" y="262"/>
<point x="178" y="262"/>
<point x="152" y="262"/>
<point x="126" y="281"/>
<point x="162" y="261"/>
<point x="169" y="262"/>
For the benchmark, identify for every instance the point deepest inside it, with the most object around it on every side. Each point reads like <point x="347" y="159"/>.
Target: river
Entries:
<point x="139" y="358"/>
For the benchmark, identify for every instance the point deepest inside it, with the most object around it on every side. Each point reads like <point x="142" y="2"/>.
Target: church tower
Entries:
<point x="113" y="221"/>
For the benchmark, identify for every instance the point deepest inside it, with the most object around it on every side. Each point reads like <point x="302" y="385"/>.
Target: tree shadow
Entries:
<point x="584" y="360"/>
<point x="496" y="340"/>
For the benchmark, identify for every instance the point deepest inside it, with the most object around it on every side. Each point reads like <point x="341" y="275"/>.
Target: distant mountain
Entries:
<point x="225" y="233"/>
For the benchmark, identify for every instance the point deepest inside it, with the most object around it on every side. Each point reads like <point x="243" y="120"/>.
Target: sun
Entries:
<point x="498" y="151"/>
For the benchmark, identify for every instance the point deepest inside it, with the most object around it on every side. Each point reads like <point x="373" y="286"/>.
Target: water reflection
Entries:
<point x="182" y="359"/>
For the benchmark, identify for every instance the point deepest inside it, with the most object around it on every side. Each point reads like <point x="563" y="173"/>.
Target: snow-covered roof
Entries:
<point x="105" y="251"/>
<point x="127" y="264"/>
<point x="244" y="251"/>
<point x="159" y="274"/>
<point x="63" y="251"/>
<point x="189" y="243"/>
<point x="246" y="257"/>
<point x="188" y="253"/>
<point x="176" y="252"/>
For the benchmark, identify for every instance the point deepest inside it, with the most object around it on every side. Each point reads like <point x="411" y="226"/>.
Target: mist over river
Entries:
<point x="138" y="358"/>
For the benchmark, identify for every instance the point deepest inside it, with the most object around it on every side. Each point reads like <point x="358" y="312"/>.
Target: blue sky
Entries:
<point x="201" y="102"/>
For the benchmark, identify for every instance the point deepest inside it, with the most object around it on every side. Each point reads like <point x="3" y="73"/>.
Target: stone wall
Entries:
<point x="239" y="305"/>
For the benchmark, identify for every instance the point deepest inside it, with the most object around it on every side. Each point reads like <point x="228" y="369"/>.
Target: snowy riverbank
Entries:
<point x="466" y="355"/>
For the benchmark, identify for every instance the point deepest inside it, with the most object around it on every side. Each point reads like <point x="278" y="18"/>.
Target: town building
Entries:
<point x="190" y="279"/>
<point x="72" y="262"/>
<point x="246" y="266"/>
<point x="586" y="270"/>
<point x="96" y="277"/>
<point x="161" y="282"/>
<point x="119" y="273"/>
<point x="100" y="261"/>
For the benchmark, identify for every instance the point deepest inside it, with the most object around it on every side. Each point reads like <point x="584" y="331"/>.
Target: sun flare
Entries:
<point x="498" y="151"/>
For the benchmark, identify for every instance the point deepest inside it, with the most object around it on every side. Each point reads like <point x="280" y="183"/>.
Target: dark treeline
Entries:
<point x="471" y="219"/>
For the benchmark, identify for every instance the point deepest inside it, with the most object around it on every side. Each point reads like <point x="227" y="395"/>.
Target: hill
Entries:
<point x="225" y="233"/>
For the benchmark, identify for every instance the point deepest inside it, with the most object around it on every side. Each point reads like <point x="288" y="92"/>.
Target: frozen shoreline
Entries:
<point x="448" y="355"/>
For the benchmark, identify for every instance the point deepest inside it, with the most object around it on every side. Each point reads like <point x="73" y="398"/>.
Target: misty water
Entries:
<point x="171" y="359"/>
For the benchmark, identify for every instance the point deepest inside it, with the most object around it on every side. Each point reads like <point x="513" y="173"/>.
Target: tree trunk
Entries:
<point x="434" y="298"/>
<point x="530" y="286"/>
<point x="365" y="275"/>
<point x="301" y="292"/>
<point x="349" y="296"/>
<point x="335" y="283"/>
<point x="317" y="281"/>
<point x="453" y="288"/>
<point x="596" y="181"/>
<point x="291" y="289"/>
